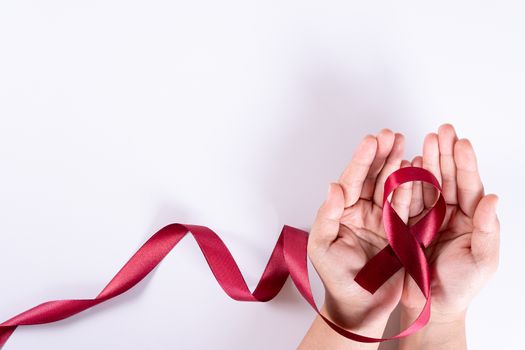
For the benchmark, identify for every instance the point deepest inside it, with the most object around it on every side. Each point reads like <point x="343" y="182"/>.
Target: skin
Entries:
<point x="349" y="224"/>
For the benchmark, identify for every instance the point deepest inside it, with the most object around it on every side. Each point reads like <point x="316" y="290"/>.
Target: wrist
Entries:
<point x="367" y="324"/>
<point x="437" y="316"/>
<point x="445" y="330"/>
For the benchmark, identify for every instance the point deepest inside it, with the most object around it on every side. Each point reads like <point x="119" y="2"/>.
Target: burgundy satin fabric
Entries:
<point x="289" y="258"/>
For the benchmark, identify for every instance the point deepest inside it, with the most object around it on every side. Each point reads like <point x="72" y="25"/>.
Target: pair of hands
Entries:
<point x="348" y="231"/>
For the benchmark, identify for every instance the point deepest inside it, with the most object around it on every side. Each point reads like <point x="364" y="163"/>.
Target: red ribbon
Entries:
<point x="289" y="257"/>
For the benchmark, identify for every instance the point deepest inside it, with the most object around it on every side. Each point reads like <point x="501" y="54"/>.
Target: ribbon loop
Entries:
<point x="406" y="243"/>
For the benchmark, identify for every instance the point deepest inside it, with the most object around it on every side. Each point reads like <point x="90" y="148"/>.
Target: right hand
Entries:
<point x="348" y="231"/>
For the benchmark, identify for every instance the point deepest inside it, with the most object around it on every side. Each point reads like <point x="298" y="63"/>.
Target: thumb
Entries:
<point x="326" y="225"/>
<point x="485" y="233"/>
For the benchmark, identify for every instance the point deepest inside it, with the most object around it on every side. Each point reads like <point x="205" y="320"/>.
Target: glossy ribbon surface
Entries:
<point x="289" y="258"/>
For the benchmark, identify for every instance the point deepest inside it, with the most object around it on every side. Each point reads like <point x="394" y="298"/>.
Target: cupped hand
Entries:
<point x="465" y="254"/>
<point x="348" y="231"/>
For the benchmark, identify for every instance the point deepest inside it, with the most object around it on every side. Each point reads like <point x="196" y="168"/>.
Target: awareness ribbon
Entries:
<point x="289" y="258"/>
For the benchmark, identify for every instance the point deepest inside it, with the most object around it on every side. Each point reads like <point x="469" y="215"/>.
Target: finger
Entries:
<point x="402" y="196"/>
<point x="356" y="172"/>
<point x="470" y="187"/>
<point x="416" y="204"/>
<point x="385" y="141"/>
<point x="485" y="234"/>
<point x="326" y="225"/>
<point x="431" y="163"/>
<point x="392" y="164"/>
<point x="446" y="139"/>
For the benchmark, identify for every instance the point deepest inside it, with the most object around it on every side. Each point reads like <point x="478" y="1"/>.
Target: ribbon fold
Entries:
<point x="289" y="258"/>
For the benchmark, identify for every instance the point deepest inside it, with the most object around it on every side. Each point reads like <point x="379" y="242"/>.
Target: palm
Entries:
<point x="450" y="260"/>
<point x="361" y="236"/>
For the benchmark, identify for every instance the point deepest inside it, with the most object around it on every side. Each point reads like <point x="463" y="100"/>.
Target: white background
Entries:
<point x="118" y="117"/>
